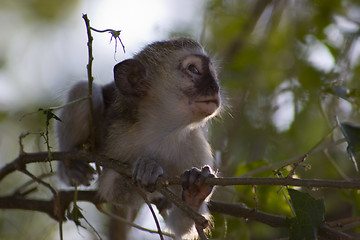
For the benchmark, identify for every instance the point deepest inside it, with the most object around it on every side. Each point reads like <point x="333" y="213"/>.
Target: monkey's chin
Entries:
<point x="207" y="106"/>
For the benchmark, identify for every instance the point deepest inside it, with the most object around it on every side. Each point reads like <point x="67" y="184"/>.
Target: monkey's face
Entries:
<point x="200" y="86"/>
<point x="173" y="82"/>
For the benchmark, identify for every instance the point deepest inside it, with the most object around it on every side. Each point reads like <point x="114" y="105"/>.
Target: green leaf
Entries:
<point x="49" y="114"/>
<point x="75" y="215"/>
<point x="309" y="215"/>
<point x="352" y="135"/>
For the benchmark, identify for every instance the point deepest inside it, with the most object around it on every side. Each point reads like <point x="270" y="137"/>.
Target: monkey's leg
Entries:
<point x="194" y="190"/>
<point x="117" y="229"/>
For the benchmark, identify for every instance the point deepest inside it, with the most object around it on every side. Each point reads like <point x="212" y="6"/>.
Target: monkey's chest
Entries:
<point x="174" y="152"/>
<point x="176" y="157"/>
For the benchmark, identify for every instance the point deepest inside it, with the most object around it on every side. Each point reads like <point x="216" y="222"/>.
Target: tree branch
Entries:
<point x="48" y="206"/>
<point x="56" y="209"/>
<point x="239" y="210"/>
<point x="124" y="169"/>
<point x="308" y="183"/>
<point x="27" y="158"/>
<point x="232" y="209"/>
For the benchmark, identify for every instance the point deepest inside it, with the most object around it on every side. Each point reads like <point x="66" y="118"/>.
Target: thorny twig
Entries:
<point x="90" y="82"/>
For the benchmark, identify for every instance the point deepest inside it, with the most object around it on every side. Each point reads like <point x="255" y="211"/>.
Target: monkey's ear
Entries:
<point x="130" y="78"/>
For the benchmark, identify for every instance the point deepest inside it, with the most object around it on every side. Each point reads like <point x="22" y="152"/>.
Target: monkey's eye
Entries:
<point x="193" y="69"/>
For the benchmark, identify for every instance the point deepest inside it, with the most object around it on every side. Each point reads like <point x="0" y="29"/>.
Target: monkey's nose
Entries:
<point x="214" y="86"/>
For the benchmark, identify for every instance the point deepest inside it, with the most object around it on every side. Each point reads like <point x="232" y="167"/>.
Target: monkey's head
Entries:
<point x="175" y="78"/>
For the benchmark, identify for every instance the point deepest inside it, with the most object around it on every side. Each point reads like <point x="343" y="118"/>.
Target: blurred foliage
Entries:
<point x="289" y="69"/>
<point x="41" y="10"/>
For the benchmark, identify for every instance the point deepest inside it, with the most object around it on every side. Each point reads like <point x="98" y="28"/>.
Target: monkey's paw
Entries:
<point x="76" y="172"/>
<point x="146" y="172"/>
<point x="194" y="190"/>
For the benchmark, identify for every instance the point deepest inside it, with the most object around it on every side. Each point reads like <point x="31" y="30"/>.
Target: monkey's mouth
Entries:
<point x="207" y="105"/>
<point x="211" y="101"/>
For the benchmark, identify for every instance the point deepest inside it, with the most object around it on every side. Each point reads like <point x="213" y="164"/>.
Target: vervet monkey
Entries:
<point x="151" y="117"/>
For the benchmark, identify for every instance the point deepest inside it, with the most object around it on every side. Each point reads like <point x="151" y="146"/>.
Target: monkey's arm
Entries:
<point x="194" y="194"/>
<point x="74" y="131"/>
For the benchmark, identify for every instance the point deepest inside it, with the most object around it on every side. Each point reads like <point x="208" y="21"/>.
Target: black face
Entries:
<point x="203" y="77"/>
<point x="202" y="85"/>
<point x="205" y="82"/>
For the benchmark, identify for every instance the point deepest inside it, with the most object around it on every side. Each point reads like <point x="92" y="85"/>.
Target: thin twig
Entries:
<point x="308" y="183"/>
<point x="61" y="235"/>
<point x="19" y="191"/>
<point x="48" y="206"/>
<point x="232" y="209"/>
<point x="292" y="160"/>
<point x="143" y="195"/>
<point x="114" y="34"/>
<point x="36" y="179"/>
<point x="90" y="82"/>
<point x="124" y="169"/>
<point x="70" y="103"/>
<point x="57" y="208"/>
<point x="201" y="233"/>
<point x="21" y="137"/>
<point x="335" y="165"/>
<point x="239" y="210"/>
<point x="101" y="209"/>
<point x="93" y="228"/>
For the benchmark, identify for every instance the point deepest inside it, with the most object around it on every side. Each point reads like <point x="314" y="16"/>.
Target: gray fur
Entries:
<point x="151" y="128"/>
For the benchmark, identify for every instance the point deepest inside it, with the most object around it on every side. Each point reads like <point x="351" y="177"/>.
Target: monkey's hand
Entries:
<point x="76" y="172"/>
<point x="146" y="172"/>
<point x="194" y="190"/>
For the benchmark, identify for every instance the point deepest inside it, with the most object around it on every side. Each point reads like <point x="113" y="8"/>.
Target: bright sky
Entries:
<point x="42" y="61"/>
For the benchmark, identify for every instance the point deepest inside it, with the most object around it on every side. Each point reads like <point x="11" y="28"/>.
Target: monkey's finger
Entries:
<point x="146" y="172"/>
<point x="139" y="169"/>
<point x="184" y="179"/>
<point x="202" y="175"/>
<point x="195" y="176"/>
<point x="205" y="173"/>
<point x="152" y="173"/>
<point x="189" y="178"/>
<point x="137" y="172"/>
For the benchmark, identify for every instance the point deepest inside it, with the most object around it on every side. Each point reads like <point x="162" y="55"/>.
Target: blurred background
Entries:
<point x="288" y="69"/>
